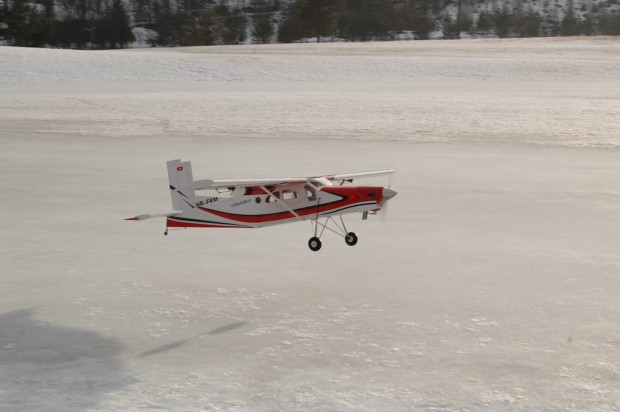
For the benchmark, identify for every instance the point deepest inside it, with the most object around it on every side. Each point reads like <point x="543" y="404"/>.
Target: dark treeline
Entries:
<point x="84" y="24"/>
<point x="109" y="23"/>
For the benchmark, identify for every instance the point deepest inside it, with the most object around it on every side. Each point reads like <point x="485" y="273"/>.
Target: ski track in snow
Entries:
<point x="492" y="284"/>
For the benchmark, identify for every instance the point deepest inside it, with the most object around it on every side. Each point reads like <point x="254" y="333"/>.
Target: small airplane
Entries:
<point x="253" y="203"/>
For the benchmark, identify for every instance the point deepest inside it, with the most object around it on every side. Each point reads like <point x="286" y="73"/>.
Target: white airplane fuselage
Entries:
<point x="263" y="206"/>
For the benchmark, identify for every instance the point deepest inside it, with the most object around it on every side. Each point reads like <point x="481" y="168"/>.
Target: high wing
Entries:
<point x="320" y="180"/>
<point x="219" y="184"/>
<point x="350" y="176"/>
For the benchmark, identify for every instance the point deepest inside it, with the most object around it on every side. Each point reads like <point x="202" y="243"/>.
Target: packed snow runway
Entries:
<point x="491" y="284"/>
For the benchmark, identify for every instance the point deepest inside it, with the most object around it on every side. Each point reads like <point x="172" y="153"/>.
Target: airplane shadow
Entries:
<point x="226" y="328"/>
<point x="45" y="366"/>
<point x="177" y="344"/>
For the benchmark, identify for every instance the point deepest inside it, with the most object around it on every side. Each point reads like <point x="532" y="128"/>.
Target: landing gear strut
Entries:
<point x="340" y="229"/>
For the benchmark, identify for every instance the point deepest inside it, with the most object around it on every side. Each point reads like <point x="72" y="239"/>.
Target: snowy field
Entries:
<point x="493" y="283"/>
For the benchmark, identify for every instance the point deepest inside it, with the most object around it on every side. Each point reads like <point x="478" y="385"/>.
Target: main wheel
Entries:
<point x="351" y="239"/>
<point x="314" y="243"/>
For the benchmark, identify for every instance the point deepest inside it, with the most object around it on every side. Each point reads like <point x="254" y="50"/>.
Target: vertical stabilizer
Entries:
<point x="180" y="179"/>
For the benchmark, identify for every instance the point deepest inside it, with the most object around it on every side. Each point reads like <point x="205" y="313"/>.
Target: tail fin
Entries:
<point x="180" y="178"/>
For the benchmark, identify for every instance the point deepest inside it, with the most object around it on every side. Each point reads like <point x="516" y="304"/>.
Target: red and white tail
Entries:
<point x="181" y="179"/>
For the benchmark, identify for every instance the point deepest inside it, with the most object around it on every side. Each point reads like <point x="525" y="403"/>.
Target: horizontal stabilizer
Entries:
<point x="144" y="217"/>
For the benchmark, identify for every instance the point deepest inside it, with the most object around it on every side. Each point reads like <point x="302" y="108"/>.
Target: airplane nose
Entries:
<point x="388" y="193"/>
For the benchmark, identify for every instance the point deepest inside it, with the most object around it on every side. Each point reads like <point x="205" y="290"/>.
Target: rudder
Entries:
<point x="180" y="178"/>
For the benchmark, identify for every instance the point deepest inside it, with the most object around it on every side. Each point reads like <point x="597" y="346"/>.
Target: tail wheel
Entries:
<point x="351" y="239"/>
<point x="314" y="243"/>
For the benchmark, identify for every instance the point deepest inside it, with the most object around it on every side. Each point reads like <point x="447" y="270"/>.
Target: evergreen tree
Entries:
<point x="485" y="23"/>
<point x="117" y="29"/>
<point x="527" y="24"/>
<point x="363" y="20"/>
<point x="200" y="31"/>
<point x="450" y="27"/>
<point x="292" y="29"/>
<point x="550" y="25"/>
<point x="422" y="26"/>
<point x="166" y="20"/>
<point x="502" y="22"/>
<point x="570" y="22"/>
<point x="143" y="12"/>
<point x="263" y="28"/>
<point x="320" y="15"/>
<point x="4" y="12"/>
<point x="609" y="23"/>
<point x="234" y="28"/>
<point x="28" y="24"/>
<point x="588" y="25"/>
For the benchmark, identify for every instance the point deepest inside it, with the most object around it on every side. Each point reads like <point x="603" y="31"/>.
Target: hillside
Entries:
<point x="143" y="23"/>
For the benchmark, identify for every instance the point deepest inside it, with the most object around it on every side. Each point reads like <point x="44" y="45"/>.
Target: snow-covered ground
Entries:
<point x="492" y="285"/>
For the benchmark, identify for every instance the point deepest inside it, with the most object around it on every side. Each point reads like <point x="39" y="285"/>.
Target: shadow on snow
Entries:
<point x="174" y="345"/>
<point x="51" y="367"/>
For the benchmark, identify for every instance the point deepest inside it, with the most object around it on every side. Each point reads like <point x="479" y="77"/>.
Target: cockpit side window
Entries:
<point x="289" y="195"/>
<point x="310" y="192"/>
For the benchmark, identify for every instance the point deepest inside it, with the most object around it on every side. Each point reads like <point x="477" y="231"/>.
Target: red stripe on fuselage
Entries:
<point x="350" y="197"/>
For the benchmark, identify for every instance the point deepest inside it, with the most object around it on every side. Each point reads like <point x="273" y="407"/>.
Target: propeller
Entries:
<point x="387" y="194"/>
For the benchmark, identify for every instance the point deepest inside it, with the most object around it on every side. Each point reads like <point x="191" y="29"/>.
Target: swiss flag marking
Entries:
<point x="180" y="169"/>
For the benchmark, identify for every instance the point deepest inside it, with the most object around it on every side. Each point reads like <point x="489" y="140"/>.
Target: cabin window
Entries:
<point x="273" y="198"/>
<point x="311" y="192"/>
<point x="289" y="195"/>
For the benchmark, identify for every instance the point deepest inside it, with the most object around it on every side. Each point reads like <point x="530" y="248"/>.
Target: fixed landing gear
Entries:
<point x="314" y="243"/>
<point x="351" y="239"/>
<point x="340" y="229"/>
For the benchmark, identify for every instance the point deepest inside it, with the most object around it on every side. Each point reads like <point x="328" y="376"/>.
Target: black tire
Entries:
<point x="351" y="239"/>
<point x="314" y="243"/>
